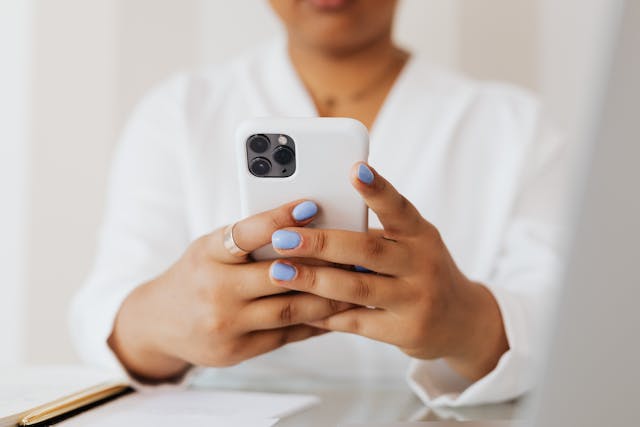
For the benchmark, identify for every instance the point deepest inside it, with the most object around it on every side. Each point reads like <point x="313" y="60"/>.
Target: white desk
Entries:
<point x="360" y="402"/>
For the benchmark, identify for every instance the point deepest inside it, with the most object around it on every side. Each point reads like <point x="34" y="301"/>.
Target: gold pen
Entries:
<point x="75" y="401"/>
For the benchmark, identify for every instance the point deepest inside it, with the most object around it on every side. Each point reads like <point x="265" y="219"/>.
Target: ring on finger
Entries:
<point x="230" y="243"/>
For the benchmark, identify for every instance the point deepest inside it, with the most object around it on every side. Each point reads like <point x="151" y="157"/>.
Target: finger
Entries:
<point x="375" y="324"/>
<point x="251" y="281"/>
<point x="370" y="250"/>
<point x="397" y="215"/>
<point x="357" y="288"/>
<point x="255" y="231"/>
<point x="285" y="310"/>
<point x="259" y="342"/>
<point x="316" y="262"/>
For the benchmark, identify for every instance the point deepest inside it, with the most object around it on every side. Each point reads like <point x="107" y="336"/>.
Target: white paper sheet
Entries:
<point x="195" y="407"/>
<point x="24" y="388"/>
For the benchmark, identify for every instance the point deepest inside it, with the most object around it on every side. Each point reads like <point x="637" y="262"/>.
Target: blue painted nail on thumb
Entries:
<point x="364" y="174"/>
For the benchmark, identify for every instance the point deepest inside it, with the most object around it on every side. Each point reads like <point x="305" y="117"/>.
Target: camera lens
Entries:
<point x="283" y="155"/>
<point x="260" y="166"/>
<point x="259" y="143"/>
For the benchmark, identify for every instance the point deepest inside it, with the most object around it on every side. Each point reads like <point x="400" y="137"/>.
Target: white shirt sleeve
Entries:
<point x="144" y="230"/>
<point x="523" y="282"/>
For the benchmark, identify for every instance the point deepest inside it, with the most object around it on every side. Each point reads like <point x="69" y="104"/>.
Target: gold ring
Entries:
<point x="230" y="243"/>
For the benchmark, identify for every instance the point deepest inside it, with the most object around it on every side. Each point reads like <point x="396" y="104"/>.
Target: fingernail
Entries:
<point x="285" y="272"/>
<point x="364" y="174"/>
<point x="284" y="239"/>
<point x="304" y="211"/>
<point x="361" y="269"/>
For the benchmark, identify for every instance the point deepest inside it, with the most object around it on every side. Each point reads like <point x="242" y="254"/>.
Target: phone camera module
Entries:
<point x="283" y="155"/>
<point x="270" y="155"/>
<point x="260" y="166"/>
<point x="259" y="143"/>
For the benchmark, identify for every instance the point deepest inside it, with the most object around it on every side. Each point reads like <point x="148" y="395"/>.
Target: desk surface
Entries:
<point x="360" y="402"/>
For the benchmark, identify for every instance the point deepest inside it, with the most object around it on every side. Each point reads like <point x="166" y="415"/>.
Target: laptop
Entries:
<point x="592" y="377"/>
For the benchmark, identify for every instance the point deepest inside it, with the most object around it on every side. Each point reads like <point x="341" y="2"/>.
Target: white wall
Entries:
<point x="15" y="43"/>
<point x="498" y="40"/>
<point x="226" y="30"/>
<point x="93" y="60"/>
<point x="155" y="39"/>
<point x="74" y="124"/>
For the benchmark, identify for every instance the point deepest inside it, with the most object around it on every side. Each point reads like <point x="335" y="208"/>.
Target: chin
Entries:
<point x="332" y="25"/>
<point x="336" y="26"/>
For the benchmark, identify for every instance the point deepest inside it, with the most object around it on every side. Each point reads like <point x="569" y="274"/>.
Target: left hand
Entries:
<point x="419" y="300"/>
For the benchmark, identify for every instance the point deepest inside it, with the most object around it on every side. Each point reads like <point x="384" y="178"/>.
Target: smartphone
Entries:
<point x="284" y="159"/>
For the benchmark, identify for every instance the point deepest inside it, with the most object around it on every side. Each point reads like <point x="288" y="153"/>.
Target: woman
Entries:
<point x="466" y="189"/>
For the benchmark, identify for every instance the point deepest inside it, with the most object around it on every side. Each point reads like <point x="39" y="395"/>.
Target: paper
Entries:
<point x="24" y="388"/>
<point x="195" y="407"/>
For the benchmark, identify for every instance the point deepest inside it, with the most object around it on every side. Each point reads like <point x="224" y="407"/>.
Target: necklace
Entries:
<point x="330" y="102"/>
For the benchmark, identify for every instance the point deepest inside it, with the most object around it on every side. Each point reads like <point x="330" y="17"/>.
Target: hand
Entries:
<point x="215" y="309"/>
<point x="419" y="300"/>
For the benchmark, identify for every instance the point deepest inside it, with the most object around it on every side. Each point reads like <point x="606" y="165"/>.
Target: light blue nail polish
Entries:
<point x="284" y="272"/>
<point x="361" y="269"/>
<point x="364" y="174"/>
<point x="304" y="211"/>
<point x="284" y="239"/>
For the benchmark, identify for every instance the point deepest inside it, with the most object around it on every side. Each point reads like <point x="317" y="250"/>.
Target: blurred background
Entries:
<point x="71" y="71"/>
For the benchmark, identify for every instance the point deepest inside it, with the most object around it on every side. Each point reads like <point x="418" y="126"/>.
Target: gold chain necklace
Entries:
<point x="332" y="101"/>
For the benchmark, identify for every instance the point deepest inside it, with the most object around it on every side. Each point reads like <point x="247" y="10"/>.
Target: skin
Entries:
<point x="213" y="309"/>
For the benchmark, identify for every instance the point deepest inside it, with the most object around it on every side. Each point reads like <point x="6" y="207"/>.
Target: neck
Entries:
<point x="327" y="73"/>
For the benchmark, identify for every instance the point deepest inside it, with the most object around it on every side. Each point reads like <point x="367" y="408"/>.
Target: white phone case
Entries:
<point x="325" y="151"/>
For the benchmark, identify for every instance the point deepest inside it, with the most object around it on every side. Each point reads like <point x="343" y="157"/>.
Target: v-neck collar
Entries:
<point x="392" y="102"/>
<point x="297" y="101"/>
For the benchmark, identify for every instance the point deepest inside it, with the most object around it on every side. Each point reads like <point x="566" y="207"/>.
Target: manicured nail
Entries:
<point x="284" y="239"/>
<point x="364" y="174"/>
<point x="304" y="211"/>
<point x="361" y="269"/>
<point x="284" y="272"/>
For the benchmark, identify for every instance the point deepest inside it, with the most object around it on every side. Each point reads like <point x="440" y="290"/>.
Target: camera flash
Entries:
<point x="282" y="140"/>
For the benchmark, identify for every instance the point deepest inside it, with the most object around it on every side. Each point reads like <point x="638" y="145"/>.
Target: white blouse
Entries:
<point x="477" y="159"/>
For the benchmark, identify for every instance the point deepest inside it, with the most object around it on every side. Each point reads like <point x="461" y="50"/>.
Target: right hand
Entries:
<point x="215" y="309"/>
